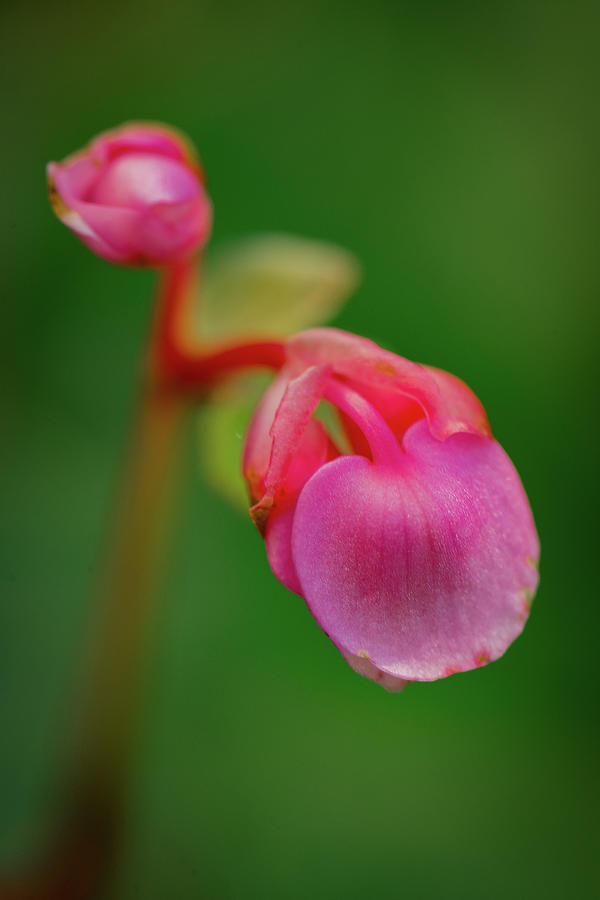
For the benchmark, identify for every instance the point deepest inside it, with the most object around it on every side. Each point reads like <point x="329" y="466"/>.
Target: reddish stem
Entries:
<point x="193" y="366"/>
<point x="83" y="850"/>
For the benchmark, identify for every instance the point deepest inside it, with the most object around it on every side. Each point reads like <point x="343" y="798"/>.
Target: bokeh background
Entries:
<point x="453" y="147"/>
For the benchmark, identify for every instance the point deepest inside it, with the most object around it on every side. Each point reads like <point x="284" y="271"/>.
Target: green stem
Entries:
<point x="133" y="565"/>
<point x="179" y="371"/>
<point x="82" y="853"/>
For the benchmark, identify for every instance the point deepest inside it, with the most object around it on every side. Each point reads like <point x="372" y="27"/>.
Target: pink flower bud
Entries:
<point x="135" y="196"/>
<point x="417" y="552"/>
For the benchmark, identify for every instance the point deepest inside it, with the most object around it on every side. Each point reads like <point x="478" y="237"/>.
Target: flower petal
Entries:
<point x="314" y="450"/>
<point x="278" y="544"/>
<point x="424" y="568"/>
<point x="257" y="447"/>
<point x="298" y="444"/>
<point x="135" y="196"/>
<point x="145" y="137"/>
<point x="365" y="667"/>
<point x="385" y="379"/>
<point x="111" y="232"/>
<point x="141" y="180"/>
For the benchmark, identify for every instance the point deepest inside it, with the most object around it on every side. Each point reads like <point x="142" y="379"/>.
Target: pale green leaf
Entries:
<point x="222" y="425"/>
<point x="273" y="285"/>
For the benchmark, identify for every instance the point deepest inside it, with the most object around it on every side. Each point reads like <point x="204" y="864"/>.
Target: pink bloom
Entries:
<point x="134" y="196"/>
<point x="417" y="552"/>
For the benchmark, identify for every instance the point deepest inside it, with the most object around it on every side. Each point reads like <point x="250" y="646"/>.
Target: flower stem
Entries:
<point x="132" y="571"/>
<point x="179" y="370"/>
<point x="82" y="852"/>
<point x="185" y="360"/>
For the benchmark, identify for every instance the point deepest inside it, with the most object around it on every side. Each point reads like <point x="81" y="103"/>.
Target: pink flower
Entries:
<point x="416" y="552"/>
<point x="134" y="196"/>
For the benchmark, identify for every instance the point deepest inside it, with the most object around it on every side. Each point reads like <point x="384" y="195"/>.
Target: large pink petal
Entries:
<point x="424" y="568"/>
<point x="388" y="381"/>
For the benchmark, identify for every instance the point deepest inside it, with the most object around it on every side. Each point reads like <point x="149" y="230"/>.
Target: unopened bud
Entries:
<point x="134" y="196"/>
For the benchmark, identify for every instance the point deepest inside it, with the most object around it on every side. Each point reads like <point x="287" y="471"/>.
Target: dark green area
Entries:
<point x="454" y="148"/>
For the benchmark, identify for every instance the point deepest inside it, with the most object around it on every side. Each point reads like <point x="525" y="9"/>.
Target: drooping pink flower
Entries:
<point x="135" y="195"/>
<point x="416" y="552"/>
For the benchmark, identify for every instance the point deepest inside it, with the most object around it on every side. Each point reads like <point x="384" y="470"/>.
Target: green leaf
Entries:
<point x="222" y="424"/>
<point x="273" y="285"/>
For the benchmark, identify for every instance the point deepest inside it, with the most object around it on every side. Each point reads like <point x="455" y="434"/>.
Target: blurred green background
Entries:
<point x="454" y="148"/>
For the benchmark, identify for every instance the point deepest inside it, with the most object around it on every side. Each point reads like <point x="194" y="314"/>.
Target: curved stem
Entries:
<point x="189" y="363"/>
<point x="177" y="370"/>
<point x="384" y="445"/>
